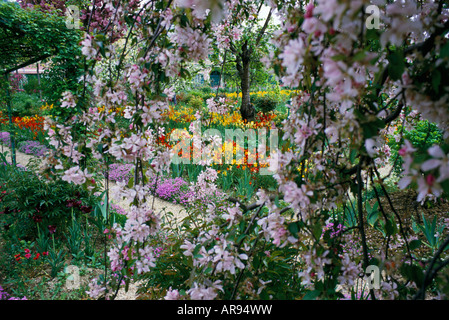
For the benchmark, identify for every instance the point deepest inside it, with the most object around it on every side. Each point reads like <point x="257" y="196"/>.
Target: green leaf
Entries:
<point x="371" y="129"/>
<point x="196" y="250"/>
<point x="353" y="155"/>
<point x="102" y="48"/>
<point x="413" y="273"/>
<point x="311" y="295"/>
<point x="131" y="182"/>
<point x="373" y="213"/>
<point x="208" y="270"/>
<point x="293" y="228"/>
<point x="414" y="244"/>
<point x="359" y="56"/>
<point x="141" y="54"/>
<point x="339" y="57"/>
<point x="444" y="51"/>
<point x="317" y="230"/>
<point x="241" y="237"/>
<point x="436" y="80"/>
<point x="390" y="227"/>
<point x="396" y="66"/>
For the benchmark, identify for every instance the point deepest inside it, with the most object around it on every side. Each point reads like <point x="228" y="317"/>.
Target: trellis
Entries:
<point x="26" y="37"/>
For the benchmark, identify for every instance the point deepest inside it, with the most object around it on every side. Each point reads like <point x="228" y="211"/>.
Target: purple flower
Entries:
<point x="5" y="138"/>
<point x="6" y="296"/>
<point x="120" y="172"/>
<point x="175" y="190"/>
<point x="51" y="229"/>
<point x="33" y="148"/>
<point x="118" y="209"/>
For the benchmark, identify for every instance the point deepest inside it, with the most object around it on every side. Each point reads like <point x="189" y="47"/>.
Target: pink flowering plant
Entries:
<point x="351" y="82"/>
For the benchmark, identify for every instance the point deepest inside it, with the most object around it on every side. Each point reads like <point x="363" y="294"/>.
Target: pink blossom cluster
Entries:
<point x="428" y="175"/>
<point x="218" y="106"/>
<point x="197" y="292"/>
<point x="191" y="42"/>
<point x="314" y="267"/>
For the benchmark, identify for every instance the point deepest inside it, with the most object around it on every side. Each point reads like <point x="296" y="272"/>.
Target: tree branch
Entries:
<point x="431" y="273"/>
<point x="361" y="224"/>
<point x="262" y="31"/>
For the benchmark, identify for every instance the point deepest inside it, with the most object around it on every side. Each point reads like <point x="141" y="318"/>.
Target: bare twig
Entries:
<point x="431" y="273"/>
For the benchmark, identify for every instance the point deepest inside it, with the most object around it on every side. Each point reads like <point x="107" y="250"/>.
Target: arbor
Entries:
<point x="28" y="37"/>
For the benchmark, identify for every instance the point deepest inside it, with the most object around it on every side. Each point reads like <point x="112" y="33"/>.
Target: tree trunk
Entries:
<point x="39" y="81"/>
<point x="246" y="109"/>
<point x="243" y="67"/>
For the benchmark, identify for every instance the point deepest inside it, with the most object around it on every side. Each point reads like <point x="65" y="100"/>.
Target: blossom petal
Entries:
<point x="404" y="182"/>
<point x="430" y="164"/>
<point x="436" y="152"/>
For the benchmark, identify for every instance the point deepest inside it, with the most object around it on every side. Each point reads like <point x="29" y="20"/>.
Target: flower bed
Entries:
<point x="174" y="190"/>
<point x="32" y="147"/>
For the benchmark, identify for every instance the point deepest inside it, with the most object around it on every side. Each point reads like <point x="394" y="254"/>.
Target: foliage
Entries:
<point x="422" y="135"/>
<point x="265" y="103"/>
<point x="42" y="33"/>
<point x="32" y="147"/>
<point x="195" y="102"/>
<point x="62" y="73"/>
<point x="120" y="172"/>
<point x="32" y="85"/>
<point x="23" y="104"/>
<point x="174" y="190"/>
<point x="43" y="202"/>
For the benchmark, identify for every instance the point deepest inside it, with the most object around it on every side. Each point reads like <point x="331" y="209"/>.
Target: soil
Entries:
<point x="408" y="211"/>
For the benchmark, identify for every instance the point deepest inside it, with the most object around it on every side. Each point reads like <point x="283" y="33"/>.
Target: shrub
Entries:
<point x="265" y="103"/>
<point x="120" y="172"/>
<point x="32" y="147"/>
<point x="174" y="190"/>
<point x="196" y="102"/>
<point x="5" y="138"/>
<point x="182" y="97"/>
<point x="422" y="136"/>
<point x="208" y="96"/>
<point x="118" y="214"/>
<point x="23" y="104"/>
<point x="32" y="85"/>
<point x="196" y="93"/>
<point x="206" y="89"/>
<point x="29" y="200"/>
